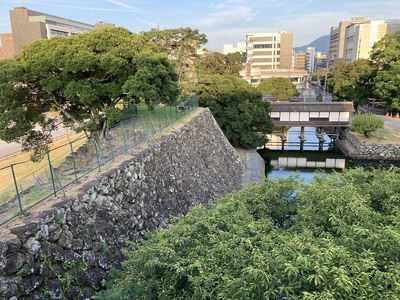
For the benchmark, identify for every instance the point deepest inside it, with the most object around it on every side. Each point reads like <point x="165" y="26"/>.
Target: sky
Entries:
<point x="223" y="21"/>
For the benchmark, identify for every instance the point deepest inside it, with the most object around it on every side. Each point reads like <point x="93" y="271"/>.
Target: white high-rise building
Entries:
<point x="310" y="60"/>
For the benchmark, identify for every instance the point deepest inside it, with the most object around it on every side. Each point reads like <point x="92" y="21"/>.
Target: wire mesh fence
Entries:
<point x="25" y="184"/>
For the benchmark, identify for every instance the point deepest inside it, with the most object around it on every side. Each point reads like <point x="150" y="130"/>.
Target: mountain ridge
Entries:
<point x="320" y="44"/>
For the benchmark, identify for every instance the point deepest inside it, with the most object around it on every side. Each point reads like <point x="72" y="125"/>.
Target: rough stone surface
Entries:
<point x="371" y="151"/>
<point x="68" y="252"/>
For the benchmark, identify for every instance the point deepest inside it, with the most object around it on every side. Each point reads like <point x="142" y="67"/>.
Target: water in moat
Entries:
<point x="303" y="159"/>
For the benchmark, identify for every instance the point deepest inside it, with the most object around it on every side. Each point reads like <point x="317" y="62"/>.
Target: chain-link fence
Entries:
<point x="26" y="183"/>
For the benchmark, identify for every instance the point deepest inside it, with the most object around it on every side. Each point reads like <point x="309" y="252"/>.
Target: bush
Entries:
<point x="334" y="238"/>
<point x="365" y="123"/>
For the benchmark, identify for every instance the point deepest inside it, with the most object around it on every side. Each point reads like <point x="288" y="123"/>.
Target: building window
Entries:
<point x="55" y="32"/>
<point x="262" y="46"/>
<point x="67" y="26"/>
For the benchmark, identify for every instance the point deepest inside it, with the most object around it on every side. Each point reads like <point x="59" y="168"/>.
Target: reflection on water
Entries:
<point x="305" y="162"/>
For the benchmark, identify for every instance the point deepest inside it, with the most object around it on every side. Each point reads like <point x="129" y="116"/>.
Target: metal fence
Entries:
<point x="27" y="183"/>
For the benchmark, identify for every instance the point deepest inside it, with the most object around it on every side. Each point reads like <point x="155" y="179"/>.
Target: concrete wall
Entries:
<point x="67" y="252"/>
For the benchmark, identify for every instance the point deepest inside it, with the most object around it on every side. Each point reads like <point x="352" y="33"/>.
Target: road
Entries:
<point x="11" y="149"/>
<point x="392" y="123"/>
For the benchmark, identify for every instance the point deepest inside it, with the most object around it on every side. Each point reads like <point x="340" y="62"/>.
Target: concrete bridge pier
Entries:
<point x="321" y="139"/>
<point x="302" y="138"/>
<point x="283" y="138"/>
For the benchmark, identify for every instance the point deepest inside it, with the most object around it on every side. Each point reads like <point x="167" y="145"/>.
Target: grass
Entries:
<point x="26" y="171"/>
<point x="383" y="136"/>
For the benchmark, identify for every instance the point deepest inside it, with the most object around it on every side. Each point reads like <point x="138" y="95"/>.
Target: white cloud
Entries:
<point x="119" y="3"/>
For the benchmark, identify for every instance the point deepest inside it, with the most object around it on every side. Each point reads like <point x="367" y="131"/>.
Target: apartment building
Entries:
<point x="270" y="55"/>
<point x="300" y="60"/>
<point x="360" y="38"/>
<point x="337" y="40"/>
<point x="6" y="46"/>
<point x="28" y="26"/>
<point x="310" y="60"/>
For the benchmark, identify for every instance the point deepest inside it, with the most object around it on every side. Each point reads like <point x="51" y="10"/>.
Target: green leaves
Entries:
<point x="366" y="123"/>
<point x="332" y="243"/>
<point x="83" y="77"/>
<point x="237" y="107"/>
<point x="279" y="87"/>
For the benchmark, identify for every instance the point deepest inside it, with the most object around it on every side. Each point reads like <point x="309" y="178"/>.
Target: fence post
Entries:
<point x="73" y="161"/>
<point x="123" y="136"/>
<point x="144" y="128"/>
<point x="97" y="154"/>
<point x="134" y="131"/>
<point x="153" y="128"/>
<point x="16" y="188"/>
<point x="51" y="173"/>
<point x="159" y="120"/>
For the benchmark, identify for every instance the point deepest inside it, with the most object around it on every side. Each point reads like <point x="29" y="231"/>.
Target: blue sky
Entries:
<point x="223" y="21"/>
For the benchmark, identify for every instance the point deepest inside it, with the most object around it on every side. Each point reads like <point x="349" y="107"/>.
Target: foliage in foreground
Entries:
<point x="366" y="123"/>
<point x="337" y="237"/>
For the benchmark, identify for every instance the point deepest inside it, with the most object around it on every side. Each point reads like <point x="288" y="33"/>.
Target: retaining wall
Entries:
<point x="67" y="252"/>
<point x="370" y="151"/>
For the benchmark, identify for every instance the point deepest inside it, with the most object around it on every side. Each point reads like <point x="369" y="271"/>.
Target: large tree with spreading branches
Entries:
<point x="82" y="77"/>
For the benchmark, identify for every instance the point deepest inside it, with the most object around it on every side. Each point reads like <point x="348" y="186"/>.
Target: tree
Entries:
<point x="386" y="57"/>
<point x="336" y="237"/>
<point x="366" y="123"/>
<point x="238" y="109"/>
<point x="353" y="81"/>
<point x="279" y="87"/>
<point x="215" y="63"/>
<point x="83" y="77"/>
<point x="181" y="46"/>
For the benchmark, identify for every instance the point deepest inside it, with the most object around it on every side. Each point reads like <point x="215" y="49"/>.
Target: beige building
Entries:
<point x="269" y="55"/>
<point x="300" y="60"/>
<point x="337" y="40"/>
<point x="359" y="38"/>
<point x="28" y="26"/>
<point x="6" y="46"/>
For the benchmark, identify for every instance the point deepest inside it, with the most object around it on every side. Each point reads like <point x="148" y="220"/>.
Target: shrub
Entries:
<point x="334" y="238"/>
<point x="366" y="123"/>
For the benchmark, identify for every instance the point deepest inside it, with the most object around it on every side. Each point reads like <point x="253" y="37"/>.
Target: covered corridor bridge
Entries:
<point x="335" y="115"/>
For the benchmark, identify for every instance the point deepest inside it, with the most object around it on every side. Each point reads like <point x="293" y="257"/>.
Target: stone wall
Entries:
<point x="369" y="151"/>
<point x="67" y="251"/>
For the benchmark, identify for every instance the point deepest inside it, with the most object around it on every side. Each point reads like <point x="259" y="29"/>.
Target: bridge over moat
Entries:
<point x="322" y="115"/>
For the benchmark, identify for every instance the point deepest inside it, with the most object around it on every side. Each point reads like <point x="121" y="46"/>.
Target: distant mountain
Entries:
<point x="320" y="44"/>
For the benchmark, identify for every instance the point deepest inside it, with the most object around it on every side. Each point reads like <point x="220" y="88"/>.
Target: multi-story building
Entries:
<point x="6" y="46"/>
<point x="359" y="38"/>
<point x="28" y="26"/>
<point x="310" y="59"/>
<point x="300" y="60"/>
<point x="270" y="55"/>
<point x="231" y="48"/>
<point x="337" y="40"/>
<point x="320" y="61"/>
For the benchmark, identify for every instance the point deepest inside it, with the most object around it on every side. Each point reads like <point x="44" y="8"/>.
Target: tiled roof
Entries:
<point x="312" y="106"/>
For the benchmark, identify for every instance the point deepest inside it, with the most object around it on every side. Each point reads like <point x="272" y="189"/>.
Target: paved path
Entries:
<point x="12" y="149"/>
<point x="255" y="167"/>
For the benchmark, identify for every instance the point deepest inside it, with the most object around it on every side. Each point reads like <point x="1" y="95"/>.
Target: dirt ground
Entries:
<point x="384" y="136"/>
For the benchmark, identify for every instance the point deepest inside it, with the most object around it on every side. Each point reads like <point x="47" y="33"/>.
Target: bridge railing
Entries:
<point x="27" y="183"/>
